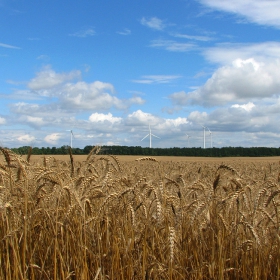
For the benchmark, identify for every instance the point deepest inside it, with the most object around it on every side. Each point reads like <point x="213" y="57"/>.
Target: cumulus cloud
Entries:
<point x="96" y="117"/>
<point x="2" y="120"/>
<point x="93" y="96"/>
<point x="227" y="52"/>
<point x="171" y="109"/>
<point x="176" y="122"/>
<point x="39" y="115"/>
<point x="26" y="138"/>
<point x="20" y="107"/>
<point x="198" y="117"/>
<point x="242" y="81"/>
<point x="248" y="117"/>
<point x="153" y="23"/>
<point x="136" y="100"/>
<point x="42" y="110"/>
<point x="59" y="96"/>
<point x="52" y="138"/>
<point x="139" y="118"/>
<point x="247" y="107"/>
<point x="48" y="78"/>
<point x="143" y="119"/>
<point x="35" y="121"/>
<point x="264" y="12"/>
<point x="180" y="98"/>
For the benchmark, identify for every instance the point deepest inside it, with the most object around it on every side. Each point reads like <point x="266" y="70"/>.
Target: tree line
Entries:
<point x="145" y="151"/>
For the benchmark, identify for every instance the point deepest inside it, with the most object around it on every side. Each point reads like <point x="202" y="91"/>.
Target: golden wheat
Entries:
<point x="103" y="219"/>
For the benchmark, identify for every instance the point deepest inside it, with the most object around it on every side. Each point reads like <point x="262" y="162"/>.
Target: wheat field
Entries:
<point x="102" y="218"/>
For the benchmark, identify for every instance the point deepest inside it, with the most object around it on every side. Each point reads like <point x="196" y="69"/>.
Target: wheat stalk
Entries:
<point x="171" y="242"/>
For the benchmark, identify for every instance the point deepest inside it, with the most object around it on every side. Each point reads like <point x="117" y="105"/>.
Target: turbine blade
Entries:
<point x="145" y="137"/>
<point x="154" y="135"/>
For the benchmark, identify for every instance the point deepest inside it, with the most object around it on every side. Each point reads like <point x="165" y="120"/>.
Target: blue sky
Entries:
<point x="108" y="69"/>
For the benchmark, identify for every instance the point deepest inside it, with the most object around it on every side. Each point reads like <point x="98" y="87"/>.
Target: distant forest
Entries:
<point x="144" y="151"/>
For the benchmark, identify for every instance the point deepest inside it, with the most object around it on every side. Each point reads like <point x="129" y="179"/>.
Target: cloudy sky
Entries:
<point x="108" y="69"/>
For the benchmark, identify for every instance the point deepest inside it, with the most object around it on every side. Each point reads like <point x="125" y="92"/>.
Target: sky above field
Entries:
<point x="107" y="70"/>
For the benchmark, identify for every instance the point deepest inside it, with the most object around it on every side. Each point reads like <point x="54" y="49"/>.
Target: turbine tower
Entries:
<point x="71" y="137"/>
<point x="204" y="127"/>
<point x="188" y="140"/>
<point x="150" y="134"/>
<point x="210" y="137"/>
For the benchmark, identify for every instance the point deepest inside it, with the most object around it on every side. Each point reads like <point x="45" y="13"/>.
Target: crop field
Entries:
<point x="108" y="217"/>
<point x="125" y="159"/>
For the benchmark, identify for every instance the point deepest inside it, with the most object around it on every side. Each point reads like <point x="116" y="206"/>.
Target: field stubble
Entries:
<point x="107" y="217"/>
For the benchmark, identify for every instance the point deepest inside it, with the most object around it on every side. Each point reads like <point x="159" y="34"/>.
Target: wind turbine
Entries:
<point x="71" y="137"/>
<point x="204" y="127"/>
<point x="150" y="134"/>
<point x="210" y="137"/>
<point x="188" y="140"/>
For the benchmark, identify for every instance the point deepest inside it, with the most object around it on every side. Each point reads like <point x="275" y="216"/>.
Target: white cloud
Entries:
<point x="249" y="118"/>
<point x="179" y="98"/>
<point x="125" y="32"/>
<point x="43" y="57"/>
<point x="171" y="110"/>
<point x="60" y="101"/>
<point x="157" y="79"/>
<point x="48" y="78"/>
<point x="136" y="100"/>
<point x="264" y="12"/>
<point x="139" y="117"/>
<point x="226" y="124"/>
<point x="96" y="96"/>
<point x="2" y="120"/>
<point x="243" y="81"/>
<point x="24" y="94"/>
<point x="153" y="23"/>
<point x="93" y="96"/>
<point x="172" y="46"/>
<point x="73" y="96"/>
<point x="227" y="52"/>
<point x="22" y="107"/>
<point x="26" y="115"/>
<point x="38" y="110"/>
<point x="198" y="117"/>
<point x="8" y="46"/>
<point x="192" y="37"/>
<point x="239" y="63"/>
<point x="26" y="138"/>
<point x="36" y="121"/>
<point x="84" y="33"/>
<point x="247" y="107"/>
<point x="96" y="117"/>
<point x="52" y="138"/>
<point x="176" y="122"/>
